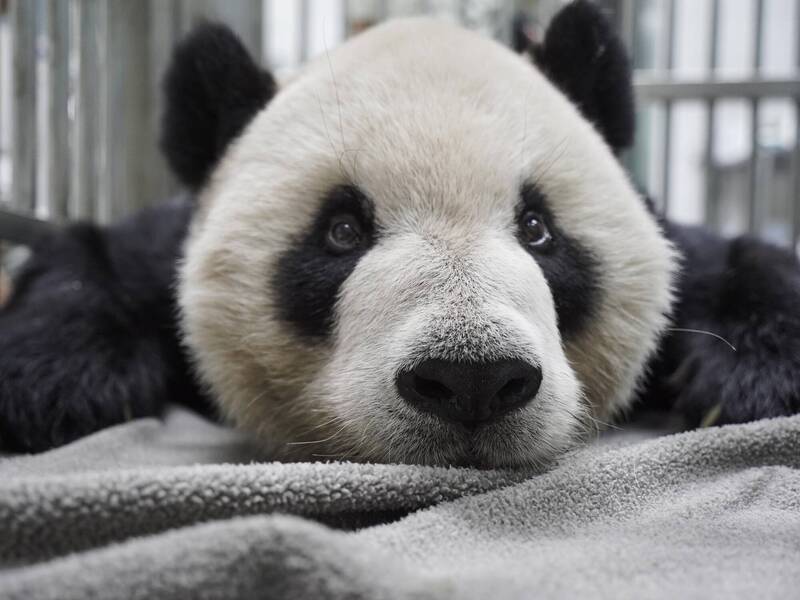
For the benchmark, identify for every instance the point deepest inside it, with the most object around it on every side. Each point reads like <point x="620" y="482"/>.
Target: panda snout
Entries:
<point x="469" y="393"/>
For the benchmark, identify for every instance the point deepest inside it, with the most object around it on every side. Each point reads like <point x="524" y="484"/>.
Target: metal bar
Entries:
<point x="752" y="177"/>
<point x="795" y="239"/>
<point x="164" y="30"/>
<point x="666" y="159"/>
<point x="712" y="201"/>
<point x="626" y="16"/>
<point x="666" y="168"/>
<point x="127" y="108"/>
<point x="76" y="207"/>
<point x="23" y="106"/>
<point x="85" y="100"/>
<point x="796" y="190"/>
<point x="57" y="147"/>
<point x="266" y="24"/>
<point x="660" y="88"/>
<point x="5" y="279"/>
<point x="101" y="141"/>
<point x="254" y="9"/>
<point x="628" y="27"/>
<point x="347" y="30"/>
<point x="3" y="118"/>
<point x="42" y="111"/>
<point x="302" y="31"/>
<point x="20" y="229"/>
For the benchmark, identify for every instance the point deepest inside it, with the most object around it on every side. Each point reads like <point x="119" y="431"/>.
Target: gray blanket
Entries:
<point x="147" y="510"/>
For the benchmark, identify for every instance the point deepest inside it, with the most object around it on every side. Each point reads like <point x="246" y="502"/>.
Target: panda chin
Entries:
<point x="507" y="443"/>
<point x="527" y="438"/>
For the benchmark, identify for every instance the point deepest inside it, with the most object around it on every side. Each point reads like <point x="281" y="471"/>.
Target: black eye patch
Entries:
<point x="308" y="275"/>
<point x="571" y="270"/>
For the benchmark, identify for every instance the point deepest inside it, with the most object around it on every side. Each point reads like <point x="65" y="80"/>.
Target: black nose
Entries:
<point x="469" y="393"/>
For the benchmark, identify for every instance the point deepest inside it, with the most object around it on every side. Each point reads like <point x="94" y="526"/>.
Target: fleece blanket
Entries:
<point x="181" y="508"/>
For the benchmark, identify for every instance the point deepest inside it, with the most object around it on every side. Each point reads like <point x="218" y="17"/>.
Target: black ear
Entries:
<point x="584" y="57"/>
<point x="213" y="87"/>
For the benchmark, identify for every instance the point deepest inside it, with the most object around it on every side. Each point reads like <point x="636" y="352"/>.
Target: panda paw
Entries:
<point x="50" y="399"/>
<point x="758" y="378"/>
<point x="46" y="412"/>
<point x="64" y="376"/>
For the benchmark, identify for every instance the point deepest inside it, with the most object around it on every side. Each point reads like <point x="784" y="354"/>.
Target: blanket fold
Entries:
<point x="144" y="511"/>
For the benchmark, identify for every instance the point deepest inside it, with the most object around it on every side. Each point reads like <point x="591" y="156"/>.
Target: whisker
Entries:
<point x="601" y="422"/>
<point x="327" y="439"/>
<point x="711" y="333"/>
<point x="340" y="456"/>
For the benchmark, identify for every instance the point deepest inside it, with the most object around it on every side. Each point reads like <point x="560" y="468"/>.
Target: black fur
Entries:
<point x="747" y="292"/>
<point x="308" y="276"/>
<point x="571" y="270"/>
<point x="212" y="88"/>
<point x="583" y="56"/>
<point x="88" y="338"/>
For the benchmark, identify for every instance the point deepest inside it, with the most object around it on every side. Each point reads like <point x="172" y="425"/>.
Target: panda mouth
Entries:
<point x="478" y="445"/>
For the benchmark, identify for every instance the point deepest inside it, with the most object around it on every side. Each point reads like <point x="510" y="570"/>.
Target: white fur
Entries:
<point x="439" y="128"/>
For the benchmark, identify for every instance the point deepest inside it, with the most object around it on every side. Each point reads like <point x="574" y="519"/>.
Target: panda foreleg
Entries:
<point x="733" y="354"/>
<point x="80" y="348"/>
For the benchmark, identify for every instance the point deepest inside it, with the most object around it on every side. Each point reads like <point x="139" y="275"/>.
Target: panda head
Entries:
<point x="420" y="249"/>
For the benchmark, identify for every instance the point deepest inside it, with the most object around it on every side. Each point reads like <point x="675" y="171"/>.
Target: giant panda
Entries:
<point x="422" y="248"/>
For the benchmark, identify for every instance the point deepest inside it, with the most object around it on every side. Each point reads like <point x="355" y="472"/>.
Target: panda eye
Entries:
<point x="534" y="230"/>
<point x="344" y="234"/>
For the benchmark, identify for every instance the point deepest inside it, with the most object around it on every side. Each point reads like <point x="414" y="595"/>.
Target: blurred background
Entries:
<point x="718" y="84"/>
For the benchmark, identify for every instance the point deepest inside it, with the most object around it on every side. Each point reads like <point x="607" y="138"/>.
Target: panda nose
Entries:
<point x="469" y="393"/>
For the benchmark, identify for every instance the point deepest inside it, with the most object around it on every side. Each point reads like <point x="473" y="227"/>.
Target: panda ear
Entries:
<point x="583" y="56"/>
<point x="212" y="89"/>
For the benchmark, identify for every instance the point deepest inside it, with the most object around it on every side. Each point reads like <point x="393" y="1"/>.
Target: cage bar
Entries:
<point x="795" y="239"/>
<point x="23" y="106"/>
<point x="661" y="87"/>
<point x="55" y="155"/>
<point x="752" y="176"/>
<point x="712" y="201"/>
<point x="302" y="31"/>
<point x="126" y="98"/>
<point x="85" y="103"/>
<point x="795" y="204"/>
<point x="4" y="124"/>
<point x="667" y="148"/>
<point x="164" y="24"/>
<point x="627" y="24"/>
<point x="98" y="35"/>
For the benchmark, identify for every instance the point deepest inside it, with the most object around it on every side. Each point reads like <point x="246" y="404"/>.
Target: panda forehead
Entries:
<point x="421" y="115"/>
<point x="440" y="153"/>
<point x="417" y="94"/>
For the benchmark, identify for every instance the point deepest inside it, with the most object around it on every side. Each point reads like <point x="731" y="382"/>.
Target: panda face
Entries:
<point x="420" y="251"/>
